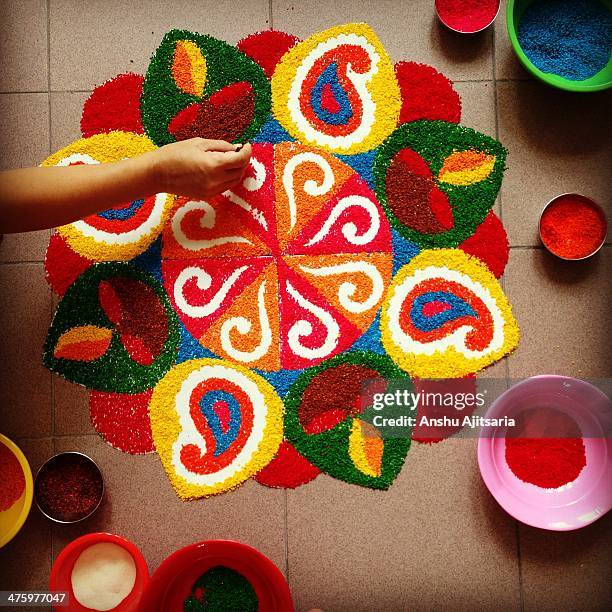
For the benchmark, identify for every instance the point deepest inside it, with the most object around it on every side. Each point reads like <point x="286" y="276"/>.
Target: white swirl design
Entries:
<point x="243" y="326"/>
<point x="304" y="328"/>
<point x="349" y="230"/>
<point x="347" y="289"/>
<point x="311" y="187"/>
<point x="255" y="183"/>
<point x="251" y="183"/>
<point x="207" y="221"/>
<point x="203" y="281"/>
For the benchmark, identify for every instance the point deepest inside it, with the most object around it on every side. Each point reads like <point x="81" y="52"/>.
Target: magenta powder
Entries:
<point x="467" y="15"/>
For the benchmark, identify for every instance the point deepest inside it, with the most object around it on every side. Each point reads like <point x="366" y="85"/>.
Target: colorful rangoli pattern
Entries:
<point x="235" y="336"/>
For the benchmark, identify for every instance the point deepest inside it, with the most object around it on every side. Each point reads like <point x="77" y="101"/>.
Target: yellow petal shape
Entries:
<point x="189" y="68"/>
<point x="111" y="241"/>
<point x="466" y="167"/>
<point x="349" y="61"/>
<point x="366" y="448"/>
<point x="83" y="343"/>
<point x="188" y="459"/>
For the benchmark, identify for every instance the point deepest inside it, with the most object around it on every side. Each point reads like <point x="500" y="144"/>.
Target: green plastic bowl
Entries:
<point x="599" y="81"/>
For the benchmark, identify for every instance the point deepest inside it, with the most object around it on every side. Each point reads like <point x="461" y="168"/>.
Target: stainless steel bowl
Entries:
<point x="59" y="457"/>
<point x="575" y="196"/>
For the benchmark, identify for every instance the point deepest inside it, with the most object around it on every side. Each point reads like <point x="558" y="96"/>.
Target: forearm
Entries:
<point x="36" y="198"/>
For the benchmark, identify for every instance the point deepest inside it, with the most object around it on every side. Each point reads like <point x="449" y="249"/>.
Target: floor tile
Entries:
<point x="435" y="540"/>
<point x="478" y="106"/>
<point x="563" y="310"/>
<point x="24" y="140"/>
<point x="497" y="370"/>
<point x="25" y="385"/>
<point x="29" y="246"/>
<point x="66" y="109"/>
<point x="567" y="571"/>
<point x="26" y="560"/>
<point x="408" y="30"/>
<point x="23" y="45"/>
<point x="24" y="129"/>
<point x="71" y="408"/>
<point x="507" y="65"/>
<point x="141" y="505"/>
<point x="98" y="40"/>
<point x="558" y="142"/>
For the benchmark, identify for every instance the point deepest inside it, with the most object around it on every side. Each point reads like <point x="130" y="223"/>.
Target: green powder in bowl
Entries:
<point x="221" y="589"/>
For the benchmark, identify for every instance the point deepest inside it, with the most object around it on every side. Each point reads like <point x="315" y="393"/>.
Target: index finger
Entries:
<point x="216" y="145"/>
<point x="236" y="159"/>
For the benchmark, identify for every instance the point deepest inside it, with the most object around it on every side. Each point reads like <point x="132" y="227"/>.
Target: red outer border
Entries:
<point x="172" y="581"/>
<point x="61" y="571"/>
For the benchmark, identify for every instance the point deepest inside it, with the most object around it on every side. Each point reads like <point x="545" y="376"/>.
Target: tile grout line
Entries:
<point x="53" y="437"/>
<point x="22" y="262"/>
<point x="48" y="4"/>
<point x="503" y="280"/>
<point x="51" y="380"/>
<point x="286" y="492"/>
<point x="270" y="19"/>
<point x="496" y="113"/>
<point x="516" y="247"/>
<point x="520" y="564"/>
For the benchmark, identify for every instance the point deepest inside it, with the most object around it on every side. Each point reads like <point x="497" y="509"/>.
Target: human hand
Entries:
<point x="198" y="168"/>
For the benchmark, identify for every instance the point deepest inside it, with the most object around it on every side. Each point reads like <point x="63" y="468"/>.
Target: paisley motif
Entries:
<point x="446" y="316"/>
<point x="337" y="90"/>
<point x="214" y="425"/>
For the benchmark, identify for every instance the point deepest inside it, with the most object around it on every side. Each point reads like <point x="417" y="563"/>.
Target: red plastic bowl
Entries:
<point x="62" y="571"/>
<point x="173" y="580"/>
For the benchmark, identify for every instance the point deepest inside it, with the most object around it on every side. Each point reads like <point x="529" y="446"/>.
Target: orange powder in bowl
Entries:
<point x="572" y="227"/>
<point x="12" y="479"/>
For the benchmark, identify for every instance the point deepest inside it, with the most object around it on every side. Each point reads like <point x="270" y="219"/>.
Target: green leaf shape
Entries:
<point x="161" y="98"/>
<point x="329" y="450"/>
<point x="434" y="141"/>
<point x="115" y="371"/>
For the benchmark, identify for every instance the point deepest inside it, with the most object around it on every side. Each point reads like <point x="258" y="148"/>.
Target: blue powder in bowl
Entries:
<point x="570" y="38"/>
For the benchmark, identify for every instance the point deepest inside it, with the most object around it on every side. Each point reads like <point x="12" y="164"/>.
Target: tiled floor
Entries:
<point x="437" y="539"/>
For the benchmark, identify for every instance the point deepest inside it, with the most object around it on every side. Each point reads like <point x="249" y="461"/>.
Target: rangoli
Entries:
<point x="235" y="336"/>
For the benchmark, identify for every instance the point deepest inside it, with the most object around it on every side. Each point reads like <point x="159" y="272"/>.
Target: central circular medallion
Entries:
<point x="285" y="270"/>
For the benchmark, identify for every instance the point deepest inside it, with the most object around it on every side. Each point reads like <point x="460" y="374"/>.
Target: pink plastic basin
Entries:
<point x="577" y="503"/>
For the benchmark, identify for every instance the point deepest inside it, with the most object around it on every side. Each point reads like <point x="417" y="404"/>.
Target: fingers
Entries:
<point x="232" y="173"/>
<point x="230" y="178"/>
<point x="236" y="159"/>
<point x="225" y="186"/>
<point x="215" y="145"/>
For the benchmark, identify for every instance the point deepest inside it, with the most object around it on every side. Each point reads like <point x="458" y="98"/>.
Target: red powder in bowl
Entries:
<point x="12" y="479"/>
<point x="467" y="15"/>
<point x="545" y="449"/>
<point x="546" y="462"/>
<point x="572" y="227"/>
